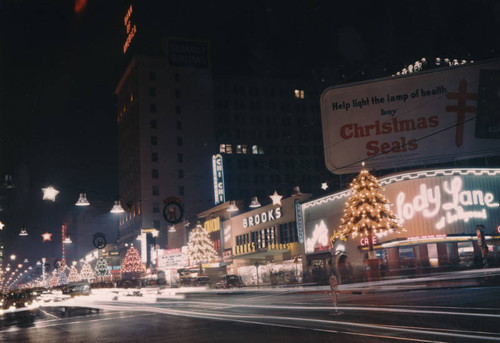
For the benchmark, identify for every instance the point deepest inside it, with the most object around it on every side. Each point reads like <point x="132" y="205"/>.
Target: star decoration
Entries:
<point x="324" y="186"/>
<point x="50" y="193"/>
<point x="155" y="233"/>
<point x="47" y="237"/>
<point x="1" y="226"/>
<point x="276" y="198"/>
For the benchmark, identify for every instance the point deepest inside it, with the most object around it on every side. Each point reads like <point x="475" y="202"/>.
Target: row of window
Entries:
<point x="154" y="109"/>
<point x="154" y="93"/>
<point x="256" y="106"/>
<point x="152" y="76"/>
<point x="256" y="91"/>
<point x="241" y="149"/>
<point x="268" y="236"/>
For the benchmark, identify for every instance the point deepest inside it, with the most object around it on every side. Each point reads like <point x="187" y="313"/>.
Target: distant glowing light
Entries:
<point x="47" y="237"/>
<point x="1" y="226"/>
<point x="80" y="5"/>
<point x="50" y="193"/>
<point x="324" y="186"/>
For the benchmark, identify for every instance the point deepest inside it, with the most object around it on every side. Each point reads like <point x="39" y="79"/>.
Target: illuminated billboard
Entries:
<point x="427" y="117"/>
<point x="218" y="178"/>
<point x="430" y="203"/>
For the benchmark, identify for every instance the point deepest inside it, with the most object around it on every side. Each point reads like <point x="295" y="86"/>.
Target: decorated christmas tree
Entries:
<point x="132" y="264"/>
<point x="86" y="273"/>
<point x="101" y="268"/>
<point x="200" y="247"/>
<point x="53" y="279"/>
<point x="367" y="211"/>
<point x="73" y="276"/>
<point x="62" y="279"/>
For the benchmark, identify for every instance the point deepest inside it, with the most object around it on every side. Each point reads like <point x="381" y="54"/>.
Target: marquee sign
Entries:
<point x="433" y="203"/>
<point x="397" y="122"/>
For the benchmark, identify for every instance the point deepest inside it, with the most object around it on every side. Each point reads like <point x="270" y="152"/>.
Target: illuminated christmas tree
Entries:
<point x="62" y="278"/>
<point x="132" y="264"/>
<point x="101" y="268"/>
<point x="53" y="279"/>
<point x="200" y="247"/>
<point x="73" y="276"/>
<point x="86" y="273"/>
<point x="367" y="212"/>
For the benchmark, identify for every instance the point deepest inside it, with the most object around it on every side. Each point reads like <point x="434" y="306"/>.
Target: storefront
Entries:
<point x="263" y="245"/>
<point x="451" y="217"/>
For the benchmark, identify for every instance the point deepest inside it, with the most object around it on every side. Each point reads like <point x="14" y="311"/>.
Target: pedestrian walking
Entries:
<point x="334" y="287"/>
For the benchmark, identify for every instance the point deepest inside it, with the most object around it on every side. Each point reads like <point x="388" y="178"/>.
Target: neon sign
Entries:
<point x="463" y="205"/>
<point x="365" y="242"/>
<point x="218" y="175"/>
<point x="319" y="239"/>
<point x="131" y="30"/>
<point x="263" y="217"/>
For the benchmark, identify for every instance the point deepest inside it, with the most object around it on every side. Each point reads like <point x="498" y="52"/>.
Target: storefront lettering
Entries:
<point x="263" y="217"/>
<point x="364" y="241"/>
<point x="429" y="203"/>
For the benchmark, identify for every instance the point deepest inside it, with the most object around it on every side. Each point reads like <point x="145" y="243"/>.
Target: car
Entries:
<point x="77" y="288"/>
<point x="230" y="281"/>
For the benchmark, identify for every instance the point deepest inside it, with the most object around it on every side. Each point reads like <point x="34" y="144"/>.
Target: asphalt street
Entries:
<point x="468" y="314"/>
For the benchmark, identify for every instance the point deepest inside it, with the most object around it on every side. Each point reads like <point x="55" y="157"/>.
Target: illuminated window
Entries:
<point x="154" y="174"/>
<point x="238" y="149"/>
<point x="222" y="148"/>
<point x="229" y="149"/>
<point x="255" y="149"/>
<point x="299" y="94"/>
<point x="244" y="149"/>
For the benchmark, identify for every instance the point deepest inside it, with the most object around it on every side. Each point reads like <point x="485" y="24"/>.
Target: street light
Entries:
<point x="255" y="203"/>
<point x="117" y="207"/>
<point x="82" y="200"/>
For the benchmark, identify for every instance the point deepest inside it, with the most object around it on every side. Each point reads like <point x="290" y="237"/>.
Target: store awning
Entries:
<point x="260" y="254"/>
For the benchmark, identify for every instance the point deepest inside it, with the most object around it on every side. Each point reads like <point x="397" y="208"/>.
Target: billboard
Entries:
<point x="431" y="203"/>
<point x="428" y="117"/>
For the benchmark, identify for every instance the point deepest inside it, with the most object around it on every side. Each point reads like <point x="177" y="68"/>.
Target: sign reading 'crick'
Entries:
<point x="262" y="217"/>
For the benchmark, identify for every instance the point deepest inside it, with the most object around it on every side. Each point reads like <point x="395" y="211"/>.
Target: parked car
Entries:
<point x="230" y="281"/>
<point x="77" y="288"/>
<point x="194" y="281"/>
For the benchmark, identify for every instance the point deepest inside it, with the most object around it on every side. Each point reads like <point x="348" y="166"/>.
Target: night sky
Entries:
<point x="59" y="68"/>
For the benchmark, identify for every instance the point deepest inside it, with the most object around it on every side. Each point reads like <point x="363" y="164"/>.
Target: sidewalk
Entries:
<point x="458" y="279"/>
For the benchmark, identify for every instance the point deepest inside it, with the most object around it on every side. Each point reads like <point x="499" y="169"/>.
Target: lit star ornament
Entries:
<point x="276" y="198"/>
<point x="1" y="226"/>
<point x="324" y="186"/>
<point x="50" y="193"/>
<point x="47" y="237"/>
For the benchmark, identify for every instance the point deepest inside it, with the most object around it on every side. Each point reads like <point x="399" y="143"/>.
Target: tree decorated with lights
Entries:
<point x="86" y="273"/>
<point x="62" y="278"/>
<point x="200" y="247"/>
<point x="367" y="211"/>
<point x="73" y="276"/>
<point x="53" y="279"/>
<point x="101" y="268"/>
<point x="132" y="264"/>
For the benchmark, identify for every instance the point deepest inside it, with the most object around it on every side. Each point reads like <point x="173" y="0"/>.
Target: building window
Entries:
<point x="152" y="75"/>
<point x="179" y="141"/>
<point x="181" y="173"/>
<point x="156" y="224"/>
<point x="154" y="124"/>
<point x="177" y="93"/>
<point x="154" y="157"/>
<point x="152" y="91"/>
<point x="156" y="190"/>
<point x="222" y="148"/>
<point x="177" y="77"/>
<point x="177" y="109"/>
<point x="180" y="157"/>
<point x="155" y="174"/>
<point x="181" y="190"/>
<point x="179" y="125"/>
<point x="152" y="108"/>
<point x="156" y="207"/>
<point x="154" y="140"/>
<point x="299" y="93"/>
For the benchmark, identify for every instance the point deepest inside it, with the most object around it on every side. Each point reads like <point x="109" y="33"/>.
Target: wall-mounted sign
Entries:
<point x="263" y="217"/>
<point x="364" y="242"/>
<point x="173" y="210"/>
<point x="212" y="225"/>
<point x="218" y="176"/>
<point x="299" y="221"/>
<point x="188" y="54"/>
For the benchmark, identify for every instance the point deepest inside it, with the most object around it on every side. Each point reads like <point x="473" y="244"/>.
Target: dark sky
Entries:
<point x="59" y="70"/>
